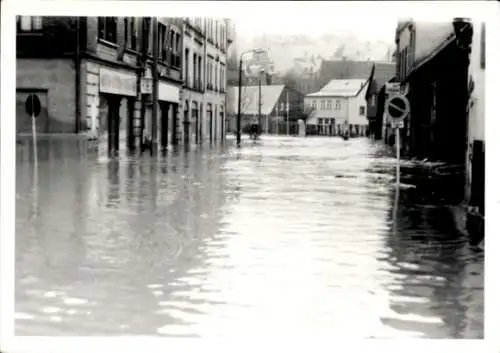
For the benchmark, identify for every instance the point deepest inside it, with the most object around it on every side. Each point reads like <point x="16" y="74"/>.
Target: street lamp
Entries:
<point x="238" y="119"/>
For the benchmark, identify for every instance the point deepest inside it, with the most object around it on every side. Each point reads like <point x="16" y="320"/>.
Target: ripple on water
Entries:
<point x="284" y="237"/>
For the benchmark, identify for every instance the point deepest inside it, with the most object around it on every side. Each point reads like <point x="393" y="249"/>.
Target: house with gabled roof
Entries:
<point x="342" y="70"/>
<point x="375" y="96"/>
<point x="276" y="101"/>
<point x="340" y="103"/>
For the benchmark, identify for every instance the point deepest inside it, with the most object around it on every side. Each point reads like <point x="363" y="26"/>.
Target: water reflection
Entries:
<point x="285" y="236"/>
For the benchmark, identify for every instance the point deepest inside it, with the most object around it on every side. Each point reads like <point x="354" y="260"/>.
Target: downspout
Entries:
<point x="144" y="44"/>
<point x="78" y="61"/>
<point x="204" y="83"/>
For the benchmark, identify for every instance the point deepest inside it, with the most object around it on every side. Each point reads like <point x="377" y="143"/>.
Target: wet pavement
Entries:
<point x="287" y="236"/>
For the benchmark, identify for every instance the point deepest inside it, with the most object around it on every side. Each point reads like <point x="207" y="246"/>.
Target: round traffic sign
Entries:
<point x="32" y="105"/>
<point x="398" y="107"/>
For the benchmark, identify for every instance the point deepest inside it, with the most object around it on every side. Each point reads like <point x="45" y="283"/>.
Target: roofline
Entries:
<point x="343" y="96"/>
<point x="432" y="54"/>
<point x="370" y="80"/>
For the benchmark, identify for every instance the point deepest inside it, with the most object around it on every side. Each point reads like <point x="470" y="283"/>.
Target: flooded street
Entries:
<point x="287" y="236"/>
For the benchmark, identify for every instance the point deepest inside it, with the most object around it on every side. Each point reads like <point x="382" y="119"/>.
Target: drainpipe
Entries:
<point x="144" y="56"/>
<point x="78" y="61"/>
<point x="154" y="127"/>
<point x="204" y="84"/>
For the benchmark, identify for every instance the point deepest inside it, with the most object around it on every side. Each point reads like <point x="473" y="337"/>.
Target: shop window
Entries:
<point x="320" y="121"/>
<point x="107" y="28"/>
<point x="29" y="23"/>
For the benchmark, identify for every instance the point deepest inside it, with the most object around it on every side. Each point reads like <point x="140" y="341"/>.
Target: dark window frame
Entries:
<point x="107" y="29"/>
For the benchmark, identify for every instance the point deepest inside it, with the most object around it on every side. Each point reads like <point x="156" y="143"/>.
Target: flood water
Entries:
<point x="287" y="236"/>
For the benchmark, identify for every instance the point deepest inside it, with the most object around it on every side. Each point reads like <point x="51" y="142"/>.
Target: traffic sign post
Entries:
<point x="397" y="108"/>
<point x="33" y="107"/>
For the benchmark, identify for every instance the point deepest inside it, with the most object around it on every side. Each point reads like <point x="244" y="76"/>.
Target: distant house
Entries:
<point x="273" y="99"/>
<point x="375" y="96"/>
<point x="339" y="103"/>
<point x="342" y="70"/>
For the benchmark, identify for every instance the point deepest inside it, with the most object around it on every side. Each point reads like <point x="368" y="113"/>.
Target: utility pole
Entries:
<point x="238" y="119"/>
<point x="154" y="123"/>
<point x="260" y="97"/>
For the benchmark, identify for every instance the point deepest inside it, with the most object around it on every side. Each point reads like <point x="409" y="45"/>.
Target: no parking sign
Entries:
<point x="397" y="108"/>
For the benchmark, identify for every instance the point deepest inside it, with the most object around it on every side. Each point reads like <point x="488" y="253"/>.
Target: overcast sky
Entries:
<point x="375" y="20"/>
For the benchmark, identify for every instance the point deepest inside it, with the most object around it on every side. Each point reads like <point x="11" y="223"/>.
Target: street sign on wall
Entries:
<point x="397" y="108"/>
<point x="33" y="106"/>
<point x="392" y="88"/>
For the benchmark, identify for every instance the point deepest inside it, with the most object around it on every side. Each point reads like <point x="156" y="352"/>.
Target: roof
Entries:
<point x="430" y="38"/>
<point x="343" y="69"/>
<point x="382" y="72"/>
<point x="250" y="99"/>
<point x="341" y="88"/>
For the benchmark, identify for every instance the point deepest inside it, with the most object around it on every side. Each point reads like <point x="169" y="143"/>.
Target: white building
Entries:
<point x="339" y="103"/>
<point x="206" y="43"/>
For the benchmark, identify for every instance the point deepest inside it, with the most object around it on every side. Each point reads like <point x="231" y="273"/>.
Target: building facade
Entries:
<point x="206" y="48"/>
<point x="339" y="105"/>
<point x="440" y="67"/>
<point x="122" y="80"/>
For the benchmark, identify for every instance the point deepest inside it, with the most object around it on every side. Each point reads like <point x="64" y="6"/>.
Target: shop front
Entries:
<point x="168" y="98"/>
<point x="116" y="101"/>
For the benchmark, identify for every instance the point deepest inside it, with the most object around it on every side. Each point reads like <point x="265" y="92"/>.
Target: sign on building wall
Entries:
<point x="117" y="82"/>
<point x="168" y="93"/>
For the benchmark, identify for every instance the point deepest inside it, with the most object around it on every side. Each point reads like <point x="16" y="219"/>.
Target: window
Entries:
<point x="195" y="70"/>
<point x="216" y="77"/>
<point x="200" y="75"/>
<point x="314" y="104"/>
<point x="221" y="76"/>
<point x="329" y="104"/>
<point x="29" y="23"/>
<point x="374" y="101"/>
<point x="107" y="28"/>
<point x="337" y="104"/>
<point x="320" y="121"/>
<point x="162" y="42"/>
<point x="216" y="25"/>
<point x="362" y="110"/>
<point x="186" y="67"/>
<point x="175" y="49"/>
<point x="131" y="32"/>
<point x="209" y="74"/>
<point x="322" y="104"/>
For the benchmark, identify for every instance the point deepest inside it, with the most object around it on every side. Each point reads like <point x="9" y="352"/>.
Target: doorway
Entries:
<point x="164" y="119"/>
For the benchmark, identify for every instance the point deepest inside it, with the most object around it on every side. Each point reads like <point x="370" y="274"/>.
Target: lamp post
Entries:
<point x="240" y="74"/>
